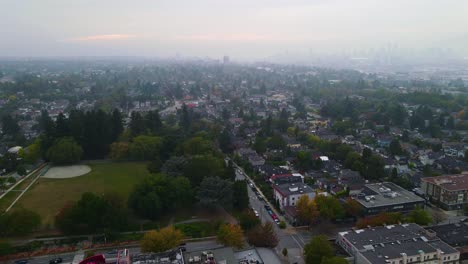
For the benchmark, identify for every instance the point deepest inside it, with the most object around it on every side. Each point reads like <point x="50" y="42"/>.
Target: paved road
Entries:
<point x="288" y="238"/>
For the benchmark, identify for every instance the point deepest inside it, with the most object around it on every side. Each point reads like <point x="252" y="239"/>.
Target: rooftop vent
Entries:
<point x="293" y="189"/>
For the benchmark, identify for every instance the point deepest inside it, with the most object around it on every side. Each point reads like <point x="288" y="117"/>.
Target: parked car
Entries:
<point x="21" y="261"/>
<point x="55" y="261"/>
<point x="256" y="213"/>
<point x="113" y="252"/>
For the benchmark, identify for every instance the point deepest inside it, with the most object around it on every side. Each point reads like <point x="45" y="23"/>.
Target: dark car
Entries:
<point x="183" y="249"/>
<point x="55" y="261"/>
<point x="21" y="261"/>
<point x="112" y="252"/>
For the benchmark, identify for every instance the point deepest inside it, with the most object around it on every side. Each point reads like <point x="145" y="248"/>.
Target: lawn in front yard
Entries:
<point x="48" y="196"/>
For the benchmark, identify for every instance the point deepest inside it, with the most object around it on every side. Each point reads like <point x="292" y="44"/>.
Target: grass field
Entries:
<point x="48" y="196"/>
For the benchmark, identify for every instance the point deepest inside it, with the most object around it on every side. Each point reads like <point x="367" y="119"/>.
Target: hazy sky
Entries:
<point x="240" y="28"/>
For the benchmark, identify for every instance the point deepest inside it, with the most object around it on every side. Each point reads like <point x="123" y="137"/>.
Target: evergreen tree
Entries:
<point x="10" y="126"/>
<point x="153" y="122"/>
<point x="137" y="124"/>
<point x="62" y="127"/>
<point x="117" y="125"/>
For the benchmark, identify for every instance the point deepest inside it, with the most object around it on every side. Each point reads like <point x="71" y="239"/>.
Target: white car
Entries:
<point x="256" y="213"/>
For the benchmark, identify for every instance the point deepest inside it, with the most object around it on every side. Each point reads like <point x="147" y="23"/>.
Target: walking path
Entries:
<point x="20" y="181"/>
<point x="42" y="167"/>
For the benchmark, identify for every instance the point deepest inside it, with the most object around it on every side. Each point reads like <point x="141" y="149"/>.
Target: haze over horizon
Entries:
<point x="242" y="29"/>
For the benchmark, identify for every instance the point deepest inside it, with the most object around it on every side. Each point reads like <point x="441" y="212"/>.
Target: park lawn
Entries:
<point x="48" y="196"/>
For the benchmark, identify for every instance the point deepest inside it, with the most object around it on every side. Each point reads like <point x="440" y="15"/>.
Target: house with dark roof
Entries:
<point x="351" y="181"/>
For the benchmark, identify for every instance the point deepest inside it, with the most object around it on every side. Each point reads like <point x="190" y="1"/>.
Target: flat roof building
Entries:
<point x="450" y="192"/>
<point x="287" y="194"/>
<point x="223" y="255"/>
<point x="396" y="244"/>
<point x="387" y="197"/>
<point x="454" y="234"/>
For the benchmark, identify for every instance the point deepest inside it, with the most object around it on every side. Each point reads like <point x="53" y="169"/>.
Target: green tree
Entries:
<point x="215" y="191"/>
<point x="92" y="213"/>
<point x="395" y="147"/>
<point x="174" y="166"/>
<point x="374" y="168"/>
<point x="201" y="166"/>
<point x="317" y="249"/>
<point x="161" y="240"/>
<point x="10" y="126"/>
<point x="276" y="142"/>
<point x="145" y="147"/>
<point x="19" y="222"/>
<point x="62" y="127"/>
<point x="366" y="154"/>
<point x="248" y="220"/>
<point x="160" y="194"/>
<point x="117" y="125"/>
<point x="65" y="151"/>
<point x="185" y="119"/>
<point x="197" y="146"/>
<point x="224" y="141"/>
<point x="137" y="124"/>
<point x="329" y="207"/>
<point x="240" y="195"/>
<point x="153" y="122"/>
<point x="6" y="248"/>
<point x="419" y="216"/>
<point x="32" y="153"/>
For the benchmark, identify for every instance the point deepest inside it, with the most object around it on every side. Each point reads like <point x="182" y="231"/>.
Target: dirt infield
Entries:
<point x="63" y="172"/>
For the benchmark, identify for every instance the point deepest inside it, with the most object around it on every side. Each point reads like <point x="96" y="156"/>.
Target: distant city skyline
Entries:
<point x="243" y="29"/>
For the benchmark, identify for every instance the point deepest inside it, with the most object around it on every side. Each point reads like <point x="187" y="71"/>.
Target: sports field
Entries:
<point x="48" y="196"/>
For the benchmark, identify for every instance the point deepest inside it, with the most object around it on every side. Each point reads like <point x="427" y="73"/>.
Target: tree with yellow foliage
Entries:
<point x="230" y="235"/>
<point x="307" y="211"/>
<point x="161" y="240"/>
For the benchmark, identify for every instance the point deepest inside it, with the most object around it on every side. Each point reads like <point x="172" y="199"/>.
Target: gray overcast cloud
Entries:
<point x="244" y="29"/>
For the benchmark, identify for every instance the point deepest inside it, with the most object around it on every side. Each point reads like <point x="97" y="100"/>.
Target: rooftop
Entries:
<point x="223" y="255"/>
<point x="389" y="242"/>
<point x="385" y="194"/>
<point x="455" y="182"/>
<point x="288" y="189"/>
<point x="168" y="257"/>
<point x="455" y="234"/>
